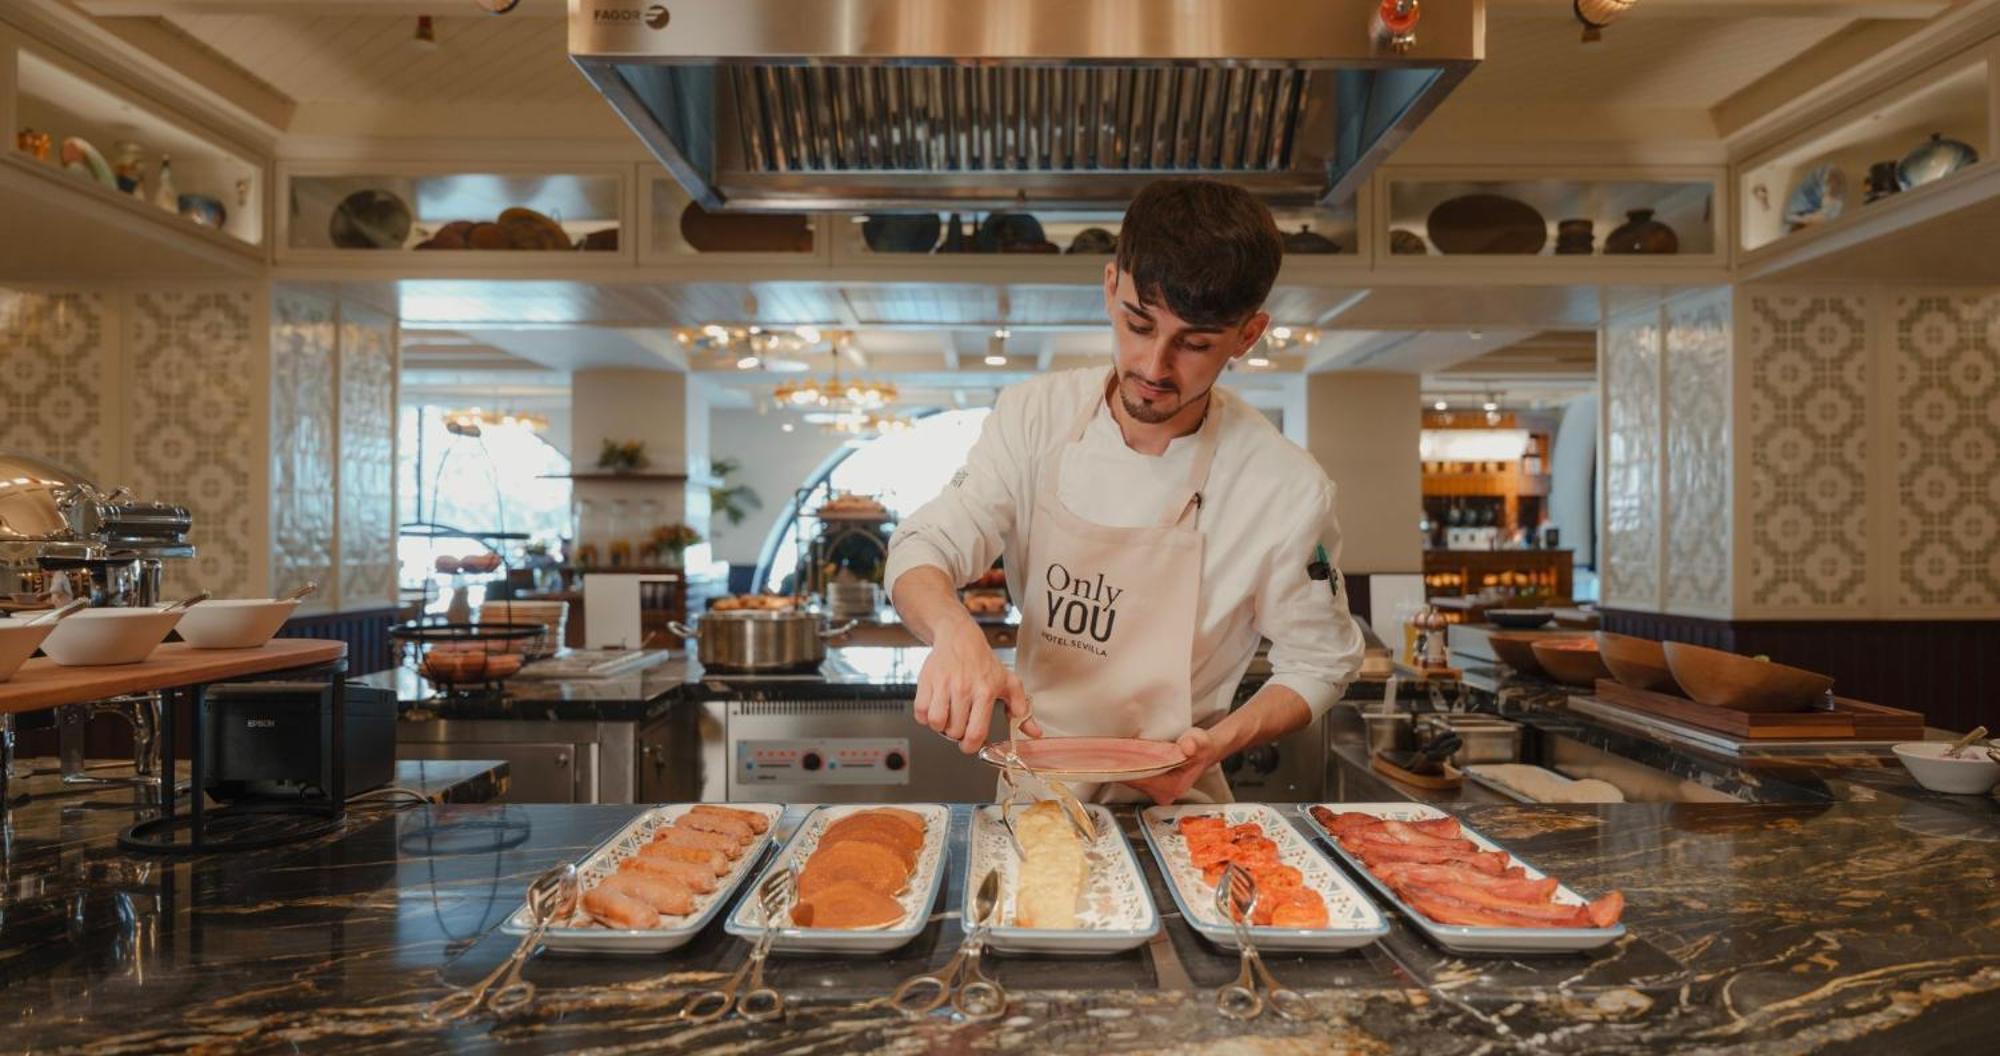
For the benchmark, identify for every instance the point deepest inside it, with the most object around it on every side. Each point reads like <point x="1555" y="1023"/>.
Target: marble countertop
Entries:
<point x="1761" y="928"/>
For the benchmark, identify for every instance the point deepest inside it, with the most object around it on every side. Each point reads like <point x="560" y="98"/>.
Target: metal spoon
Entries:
<point x="192" y="599"/>
<point x="53" y="615"/>
<point x="299" y="593"/>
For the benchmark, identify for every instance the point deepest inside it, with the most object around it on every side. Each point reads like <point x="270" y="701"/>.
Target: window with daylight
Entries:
<point x="496" y="482"/>
<point x="904" y="470"/>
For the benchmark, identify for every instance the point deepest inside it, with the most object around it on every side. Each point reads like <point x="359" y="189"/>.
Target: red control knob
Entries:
<point x="809" y="761"/>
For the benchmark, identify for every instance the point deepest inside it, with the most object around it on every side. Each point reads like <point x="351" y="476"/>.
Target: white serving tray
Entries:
<point x="1354" y="920"/>
<point x="1118" y="912"/>
<point x="1459" y="938"/>
<point x="583" y="936"/>
<point x="747" y="921"/>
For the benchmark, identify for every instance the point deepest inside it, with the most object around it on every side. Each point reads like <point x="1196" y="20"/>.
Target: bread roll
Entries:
<point x="1052" y="870"/>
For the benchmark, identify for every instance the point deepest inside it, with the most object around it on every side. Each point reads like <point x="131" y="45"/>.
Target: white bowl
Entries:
<point x="1973" y="773"/>
<point x="234" y="623"/>
<point x="101" y="637"/>
<point x="18" y="642"/>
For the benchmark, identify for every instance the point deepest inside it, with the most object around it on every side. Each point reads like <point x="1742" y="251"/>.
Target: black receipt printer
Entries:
<point x="265" y="740"/>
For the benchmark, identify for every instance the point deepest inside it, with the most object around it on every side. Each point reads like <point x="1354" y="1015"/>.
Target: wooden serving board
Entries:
<point x="1851" y="720"/>
<point x="43" y="683"/>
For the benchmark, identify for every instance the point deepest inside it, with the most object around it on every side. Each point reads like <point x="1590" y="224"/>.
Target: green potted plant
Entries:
<point x="627" y="456"/>
<point x="669" y="544"/>
<point x="731" y="501"/>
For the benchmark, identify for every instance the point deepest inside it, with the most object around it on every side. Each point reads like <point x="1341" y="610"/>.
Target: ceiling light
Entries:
<point x="1440" y="406"/>
<point x="787" y="427"/>
<point x="1597" y="14"/>
<point x="1490" y="405"/>
<point x="1257" y="361"/>
<point x="1282" y="333"/>
<point x="1003" y="333"/>
<point x="996" y="361"/>
<point x="808" y="334"/>
<point x="716" y="331"/>
<point x="747" y="363"/>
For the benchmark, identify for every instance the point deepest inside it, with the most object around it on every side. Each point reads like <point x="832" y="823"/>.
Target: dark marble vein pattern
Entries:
<point x="1767" y="928"/>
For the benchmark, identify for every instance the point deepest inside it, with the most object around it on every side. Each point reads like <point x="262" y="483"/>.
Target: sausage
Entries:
<point x="699" y="879"/>
<point x="676" y="836"/>
<point x="715" y="862"/>
<point x="757" y="822"/>
<point x="734" y="828"/>
<point x="662" y="893"/>
<point x="614" y="909"/>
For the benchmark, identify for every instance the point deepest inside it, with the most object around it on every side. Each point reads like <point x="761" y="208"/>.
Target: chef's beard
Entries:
<point x="1149" y="413"/>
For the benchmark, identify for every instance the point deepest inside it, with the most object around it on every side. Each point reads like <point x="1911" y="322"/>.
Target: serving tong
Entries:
<point x="1072" y="807"/>
<point x="550" y="898"/>
<point x="972" y="993"/>
<point x="1235" y="895"/>
<point x="759" y="1003"/>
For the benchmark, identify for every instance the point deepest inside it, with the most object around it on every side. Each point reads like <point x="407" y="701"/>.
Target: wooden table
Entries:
<point x="182" y="675"/>
<point x="42" y="683"/>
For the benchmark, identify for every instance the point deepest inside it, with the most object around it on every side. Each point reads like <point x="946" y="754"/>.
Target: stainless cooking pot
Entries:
<point x="754" y="640"/>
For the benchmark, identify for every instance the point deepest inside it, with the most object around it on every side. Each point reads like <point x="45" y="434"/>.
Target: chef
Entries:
<point x="1154" y="527"/>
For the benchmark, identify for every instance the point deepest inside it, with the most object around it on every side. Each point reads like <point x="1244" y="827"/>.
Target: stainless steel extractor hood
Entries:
<point x="886" y="104"/>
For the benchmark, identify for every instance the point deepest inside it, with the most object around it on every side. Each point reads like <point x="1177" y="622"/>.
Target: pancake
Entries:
<point x="887" y="829"/>
<point x="878" y="831"/>
<point x="871" y="865"/>
<point x="844" y="904"/>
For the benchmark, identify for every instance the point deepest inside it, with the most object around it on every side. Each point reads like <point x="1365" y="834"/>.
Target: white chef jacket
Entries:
<point x="1266" y="504"/>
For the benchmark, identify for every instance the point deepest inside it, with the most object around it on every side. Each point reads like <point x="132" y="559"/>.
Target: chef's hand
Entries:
<point x="960" y="683"/>
<point x="1203" y="750"/>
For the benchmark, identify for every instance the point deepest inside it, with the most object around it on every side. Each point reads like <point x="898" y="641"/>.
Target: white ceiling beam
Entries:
<point x="1733" y="9"/>
<point x="317" y="8"/>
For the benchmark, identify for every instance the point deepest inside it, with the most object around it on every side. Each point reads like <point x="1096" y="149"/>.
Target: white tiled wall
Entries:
<point x="1810" y="452"/>
<point x="178" y="393"/>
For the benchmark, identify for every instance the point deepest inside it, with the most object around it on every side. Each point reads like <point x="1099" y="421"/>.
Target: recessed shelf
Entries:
<point x="1951" y="100"/>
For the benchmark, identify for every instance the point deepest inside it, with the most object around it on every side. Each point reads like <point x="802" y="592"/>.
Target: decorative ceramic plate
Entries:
<point x="372" y="219"/>
<point x="1934" y="159"/>
<point x="1354" y="921"/>
<point x="1487" y="223"/>
<point x="1116" y="914"/>
<point x="1820" y="196"/>
<point x="1087" y="759"/>
<point x="1459" y="938"/>
<point x="747" y="921"/>
<point x="580" y="935"/>
<point x="80" y="157"/>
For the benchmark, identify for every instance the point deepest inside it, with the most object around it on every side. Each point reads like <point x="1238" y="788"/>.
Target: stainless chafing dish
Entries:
<point x="61" y="535"/>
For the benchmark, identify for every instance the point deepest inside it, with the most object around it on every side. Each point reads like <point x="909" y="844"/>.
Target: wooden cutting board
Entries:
<point x="1851" y="720"/>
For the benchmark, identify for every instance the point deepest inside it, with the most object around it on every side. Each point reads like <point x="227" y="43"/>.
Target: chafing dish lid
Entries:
<point x="31" y="494"/>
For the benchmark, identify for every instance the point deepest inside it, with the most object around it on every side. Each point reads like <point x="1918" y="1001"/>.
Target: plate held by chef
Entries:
<point x="1154" y="527"/>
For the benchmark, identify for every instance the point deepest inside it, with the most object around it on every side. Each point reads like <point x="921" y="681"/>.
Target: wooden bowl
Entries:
<point x="1637" y="662"/>
<point x="1517" y="651"/>
<point x="1571" y="661"/>
<point x="1741" y="683"/>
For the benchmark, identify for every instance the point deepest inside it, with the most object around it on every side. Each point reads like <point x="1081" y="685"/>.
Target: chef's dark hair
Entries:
<point x="1207" y="250"/>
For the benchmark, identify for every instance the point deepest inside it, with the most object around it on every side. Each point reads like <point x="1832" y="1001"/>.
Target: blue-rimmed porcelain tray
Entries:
<point x="1116" y="912"/>
<point x="1459" y="938"/>
<point x="747" y="920"/>
<point x="1353" y="920"/>
<point x="580" y="934"/>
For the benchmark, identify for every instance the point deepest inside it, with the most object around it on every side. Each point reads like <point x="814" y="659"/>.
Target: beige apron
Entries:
<point x="1107" y="628"/>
